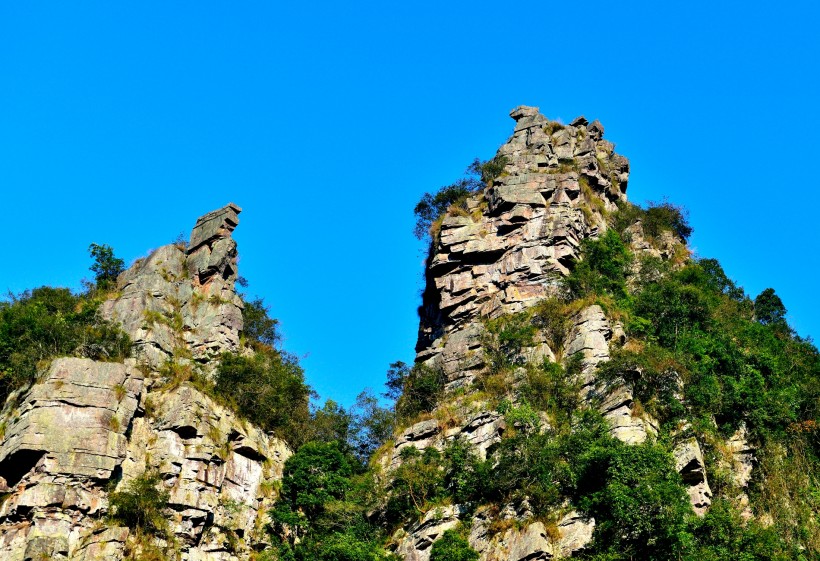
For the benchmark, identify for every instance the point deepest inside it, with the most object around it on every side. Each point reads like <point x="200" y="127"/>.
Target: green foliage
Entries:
<point x="372" y="425"/>
<point x="675" y="306"/>
<point x="433" y="205"/>
<point x="653" y="374"/>
<point x="722" y="535"/>
<point x="323" y="503"/>
<point x="555" y="389"/>
<point x="39" y="325"/>
<point x="657" y="218"/>
<point x="317" y="474"/>
<point x="769" y="308"/>
<point x="421" y="387"/>
<point x="359" y="430"/>
<point x="552" y="319"/>
<point x="665" y="216"/>
<point x="505" y="338"/>
<point x="542" y="467"/>
<point x="418" y="481"/>
<point x="637" y="499"/>
<point x="141" y="505"/>
<point x="522" y="416"/>
<point x="268" y="388"/>
<point x="258" y="326"/>
<point x="602" y="268"/>
<point x="452" y="547"/>
<point x="106" y="267"/>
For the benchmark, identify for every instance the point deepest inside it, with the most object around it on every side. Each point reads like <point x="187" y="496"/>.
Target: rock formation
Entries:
<point x="88" y="427"/>
<point x="503" y="255"/>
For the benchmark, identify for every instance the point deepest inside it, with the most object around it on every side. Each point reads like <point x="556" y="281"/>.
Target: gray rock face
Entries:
<point x="689" y="463"/>
<point x="519" y="235"/>
<point x="504" y="254"/>
<point x="182" y="305"/>
<point x="88" y="426"/>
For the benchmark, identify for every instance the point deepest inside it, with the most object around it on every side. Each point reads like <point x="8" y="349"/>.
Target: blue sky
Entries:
<point x="120" y="123"/>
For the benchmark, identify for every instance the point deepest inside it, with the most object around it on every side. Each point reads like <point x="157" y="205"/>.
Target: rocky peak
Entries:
<point x="211" y="249"/>
<point x="519" y="235"/>
<point x="88" y="427"/>
<point x="182" y="304"/>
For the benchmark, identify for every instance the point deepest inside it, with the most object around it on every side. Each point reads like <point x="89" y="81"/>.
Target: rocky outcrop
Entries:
<point x="689" y="463"/>
<point x="507" y="250"/>
<point x="181" y="304"/>
<point x="87" y="428"/>
<point x="515" y="541"/>
<point x="503" y="254"/>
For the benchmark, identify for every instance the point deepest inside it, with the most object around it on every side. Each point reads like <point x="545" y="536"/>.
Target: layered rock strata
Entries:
<point x="503" y="255"/>
<point x="520" y="234"/>
<point x="87" y="428"/>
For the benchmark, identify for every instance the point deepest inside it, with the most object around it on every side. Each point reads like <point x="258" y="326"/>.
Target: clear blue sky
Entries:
<point x="120" y="123"/>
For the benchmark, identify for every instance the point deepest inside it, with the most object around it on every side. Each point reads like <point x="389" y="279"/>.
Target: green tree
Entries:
<point x="258" y="326"/>
<point x="602" y="268"/>
<point x="268" y="388"/>
<point x="45" y="323"/>
<point x="106" y="267"/>
<point x="433" y="205"/>
<point x="318" y="473"/>
<point x="769" y="308"/>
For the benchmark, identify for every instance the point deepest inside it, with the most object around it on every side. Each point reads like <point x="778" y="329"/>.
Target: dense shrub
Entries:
<point x="602" y="268"/>
<point x="258" y="326"/>
<point x="418" y="481"/>
<point x="657" y="218"/>
<point x="654" y="375"/>
<point x="452" y="547"/>
<point x="141" y="505"/>
<point x="769" y="308"/>
<point x="417" y="389"/>
<point x="321" y="514"/>
<point x="722" y="535"/>
<point x="555" y="389"/>
<point x="268" y="388"/>
<point x="665" y="216"/>
<point x="45" y="323"/>
<point x="504" y="340"/>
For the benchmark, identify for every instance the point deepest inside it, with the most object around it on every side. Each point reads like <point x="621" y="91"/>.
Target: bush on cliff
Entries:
<point x="41" y="324"/>
<point x="268" y="388"/>
<point x="141" y="505"/>
<point x="106" y="267"/>
<point x="454" y="196"/>
<point x="452" y="547"/>
<point x="602" y="269"/>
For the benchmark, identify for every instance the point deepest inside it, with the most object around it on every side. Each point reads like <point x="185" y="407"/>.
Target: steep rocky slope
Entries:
<point x="507" y="253"/>
<point x="87" y="428"/>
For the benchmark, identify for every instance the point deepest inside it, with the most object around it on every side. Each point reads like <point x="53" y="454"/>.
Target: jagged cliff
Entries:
<point x="87" y="428"/>
<point x="583" y="388"/>
<point x="507" y="253"/>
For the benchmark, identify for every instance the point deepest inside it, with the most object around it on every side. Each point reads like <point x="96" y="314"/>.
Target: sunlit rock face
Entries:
<point x="87" y="428"/>
<point x="518" y="236"/>
<point x="505" y="253"/>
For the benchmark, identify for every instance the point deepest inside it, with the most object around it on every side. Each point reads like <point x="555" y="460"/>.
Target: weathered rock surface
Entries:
<point x="521" y="233"/>
<point x="506" y="253"/>
<point x="689" y="463"/>
<point x="182" y="304"/>
<point x="87" y="427"/>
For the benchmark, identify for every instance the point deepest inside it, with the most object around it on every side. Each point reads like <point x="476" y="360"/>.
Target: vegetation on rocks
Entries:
<point x="41" y="324"/>
<point x="141" y="505"/>
<point x="454" y="197"/>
